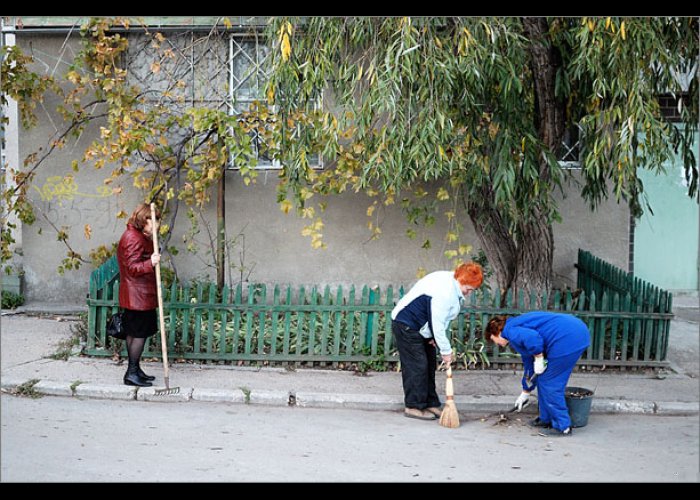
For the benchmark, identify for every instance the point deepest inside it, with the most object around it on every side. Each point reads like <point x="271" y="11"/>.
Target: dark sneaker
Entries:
<point x="552" y="432"/>
<point x="536" y="422"/>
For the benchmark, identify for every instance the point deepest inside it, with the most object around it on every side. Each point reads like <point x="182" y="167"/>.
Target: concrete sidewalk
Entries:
<point x="31" y="334"/>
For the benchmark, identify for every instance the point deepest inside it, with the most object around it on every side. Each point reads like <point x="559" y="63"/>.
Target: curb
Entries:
<point x="371" y="402"/>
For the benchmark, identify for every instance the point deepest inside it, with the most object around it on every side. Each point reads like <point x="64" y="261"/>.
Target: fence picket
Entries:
<point x="262" y="326"/>
<point x="337" y="332"/>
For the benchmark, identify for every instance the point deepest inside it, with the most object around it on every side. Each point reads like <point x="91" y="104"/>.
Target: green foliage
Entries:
<point x="27" y="389"/>
<point x="478" y="107"/>
<point x="11" y="300"/>
<point x="173" y="153"/>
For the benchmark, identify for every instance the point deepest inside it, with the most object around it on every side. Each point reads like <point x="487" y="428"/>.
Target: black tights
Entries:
<point x="134" y="347"/>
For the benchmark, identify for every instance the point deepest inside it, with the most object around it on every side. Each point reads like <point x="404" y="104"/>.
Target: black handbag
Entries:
<point x="114" y="326"/>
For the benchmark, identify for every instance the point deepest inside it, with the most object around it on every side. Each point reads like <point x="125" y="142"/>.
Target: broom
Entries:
<point x="449" y="417"/>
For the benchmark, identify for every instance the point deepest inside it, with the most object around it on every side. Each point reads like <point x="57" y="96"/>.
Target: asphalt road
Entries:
<point x="61" y="439"/>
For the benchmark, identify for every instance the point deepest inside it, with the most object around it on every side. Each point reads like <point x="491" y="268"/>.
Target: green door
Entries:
<point x="666" y="243"/>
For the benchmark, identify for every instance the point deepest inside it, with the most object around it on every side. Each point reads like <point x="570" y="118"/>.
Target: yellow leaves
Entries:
<point x="155" y="67"/>
<point x="284" y="34"/>
<point x="227" y="22"/>
<point x="286" y="206"/>
<point x="314" y="230"/>
<point x="419" y="192"/>
<point x="121" y="214"/>
<point x="421" y="272"/>
<point x="87" y="231"/>
<point x="305" y="193"/>
<point x="464" y="249"/>
<point x="371" y="209"/>
<point x="623" y="33"/>
<point x="451" y="237"/>
<point x="450" y="254"/>
<point x="607" y="23"/>
<point x="464" y="41"/>
<point x="493" y="130"/>
<point x="522" y="146"/>
<point x="73" y="77"/>
<point x="442" y="194"/>
<point x="591" y="25"/>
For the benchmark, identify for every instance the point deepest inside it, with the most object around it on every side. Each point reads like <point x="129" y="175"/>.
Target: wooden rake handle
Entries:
<point x="161" y="318"/>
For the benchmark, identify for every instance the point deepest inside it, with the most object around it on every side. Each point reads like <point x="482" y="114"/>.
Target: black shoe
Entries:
<point x="141" y="373"/>
<point x="536" y="422"/>
<point x="131" y="377"/>
<point x="552" y="432"/>
<point x="134" y="379"/>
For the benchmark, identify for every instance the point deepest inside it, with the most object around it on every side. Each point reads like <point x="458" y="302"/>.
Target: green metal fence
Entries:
<point x="330" y="327"/>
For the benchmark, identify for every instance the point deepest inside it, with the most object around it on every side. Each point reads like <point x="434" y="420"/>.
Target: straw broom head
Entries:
<point x="449" y="417"/>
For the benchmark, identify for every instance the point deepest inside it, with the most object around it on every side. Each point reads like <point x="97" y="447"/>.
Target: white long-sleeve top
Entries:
<point x="429" y="306"/>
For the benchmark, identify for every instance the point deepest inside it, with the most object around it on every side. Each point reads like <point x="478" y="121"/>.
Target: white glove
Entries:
<point x="522" y="400"/>
<point x="540" y="365"/>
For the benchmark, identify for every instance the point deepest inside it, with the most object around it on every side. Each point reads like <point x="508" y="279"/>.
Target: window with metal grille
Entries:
<point x="215" y="70"/>
<point x="569" y="153"/>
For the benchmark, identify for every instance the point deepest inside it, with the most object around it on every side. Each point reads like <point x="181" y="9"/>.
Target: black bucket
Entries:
<point x="578" y="401"/>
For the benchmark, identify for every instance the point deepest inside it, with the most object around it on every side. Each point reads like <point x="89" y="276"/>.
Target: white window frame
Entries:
<point x="234" y="50"/>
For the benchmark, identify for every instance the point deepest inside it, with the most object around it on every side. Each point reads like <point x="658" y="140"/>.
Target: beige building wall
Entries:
<point x="274" y="249"/>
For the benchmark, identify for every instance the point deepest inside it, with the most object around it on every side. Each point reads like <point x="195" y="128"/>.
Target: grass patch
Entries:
<point x="75" y="385"/>
<point x="27" y="389"/>
<point x="78" y="335"/>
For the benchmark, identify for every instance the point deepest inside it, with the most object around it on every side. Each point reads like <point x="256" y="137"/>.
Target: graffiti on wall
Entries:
<point x="66" y="205"/>
<point x="65" y="188"/>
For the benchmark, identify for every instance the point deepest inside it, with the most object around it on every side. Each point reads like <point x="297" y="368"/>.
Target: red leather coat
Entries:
<point x="137" y="286"/>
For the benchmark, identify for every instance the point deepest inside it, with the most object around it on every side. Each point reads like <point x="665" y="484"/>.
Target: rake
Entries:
<point x="168" y="390"/>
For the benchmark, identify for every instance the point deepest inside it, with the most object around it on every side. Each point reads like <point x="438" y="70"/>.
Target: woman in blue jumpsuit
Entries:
<point x="549" y="345"/>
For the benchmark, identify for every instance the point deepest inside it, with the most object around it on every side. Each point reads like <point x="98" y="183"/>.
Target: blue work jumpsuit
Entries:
<point x="561" y="338"/>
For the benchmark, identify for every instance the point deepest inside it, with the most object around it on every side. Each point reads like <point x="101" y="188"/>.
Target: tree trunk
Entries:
<point x="523" y="262"/>
<point x="535" y="239"/>
<point x="535" y="258"/>
<point x="497" y="243"/>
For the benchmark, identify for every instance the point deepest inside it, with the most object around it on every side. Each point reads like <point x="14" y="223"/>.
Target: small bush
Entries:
<point x="11" y="300"/>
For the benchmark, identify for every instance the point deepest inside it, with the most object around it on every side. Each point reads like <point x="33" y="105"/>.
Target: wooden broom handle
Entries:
<point x="449" y="388"/>
<point x="161" y="318"/>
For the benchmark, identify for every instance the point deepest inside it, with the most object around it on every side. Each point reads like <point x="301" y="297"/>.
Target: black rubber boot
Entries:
<point x="132" y="376"/>
<point x="143" y="375"/>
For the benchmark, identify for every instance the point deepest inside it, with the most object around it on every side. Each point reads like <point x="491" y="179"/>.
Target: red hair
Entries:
<point x="469" y="274"/>
<point x="494" y="327"/>
<point x="141" y="214"/>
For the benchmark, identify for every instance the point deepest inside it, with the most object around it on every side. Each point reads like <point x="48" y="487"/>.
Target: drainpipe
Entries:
<point x="10" y="157"/>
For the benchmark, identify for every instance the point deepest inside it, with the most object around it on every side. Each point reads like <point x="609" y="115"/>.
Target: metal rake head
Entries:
<point x="167" y="391"/>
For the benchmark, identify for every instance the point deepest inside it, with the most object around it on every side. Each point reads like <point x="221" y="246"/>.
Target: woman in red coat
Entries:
<point x="137" y="290"/>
